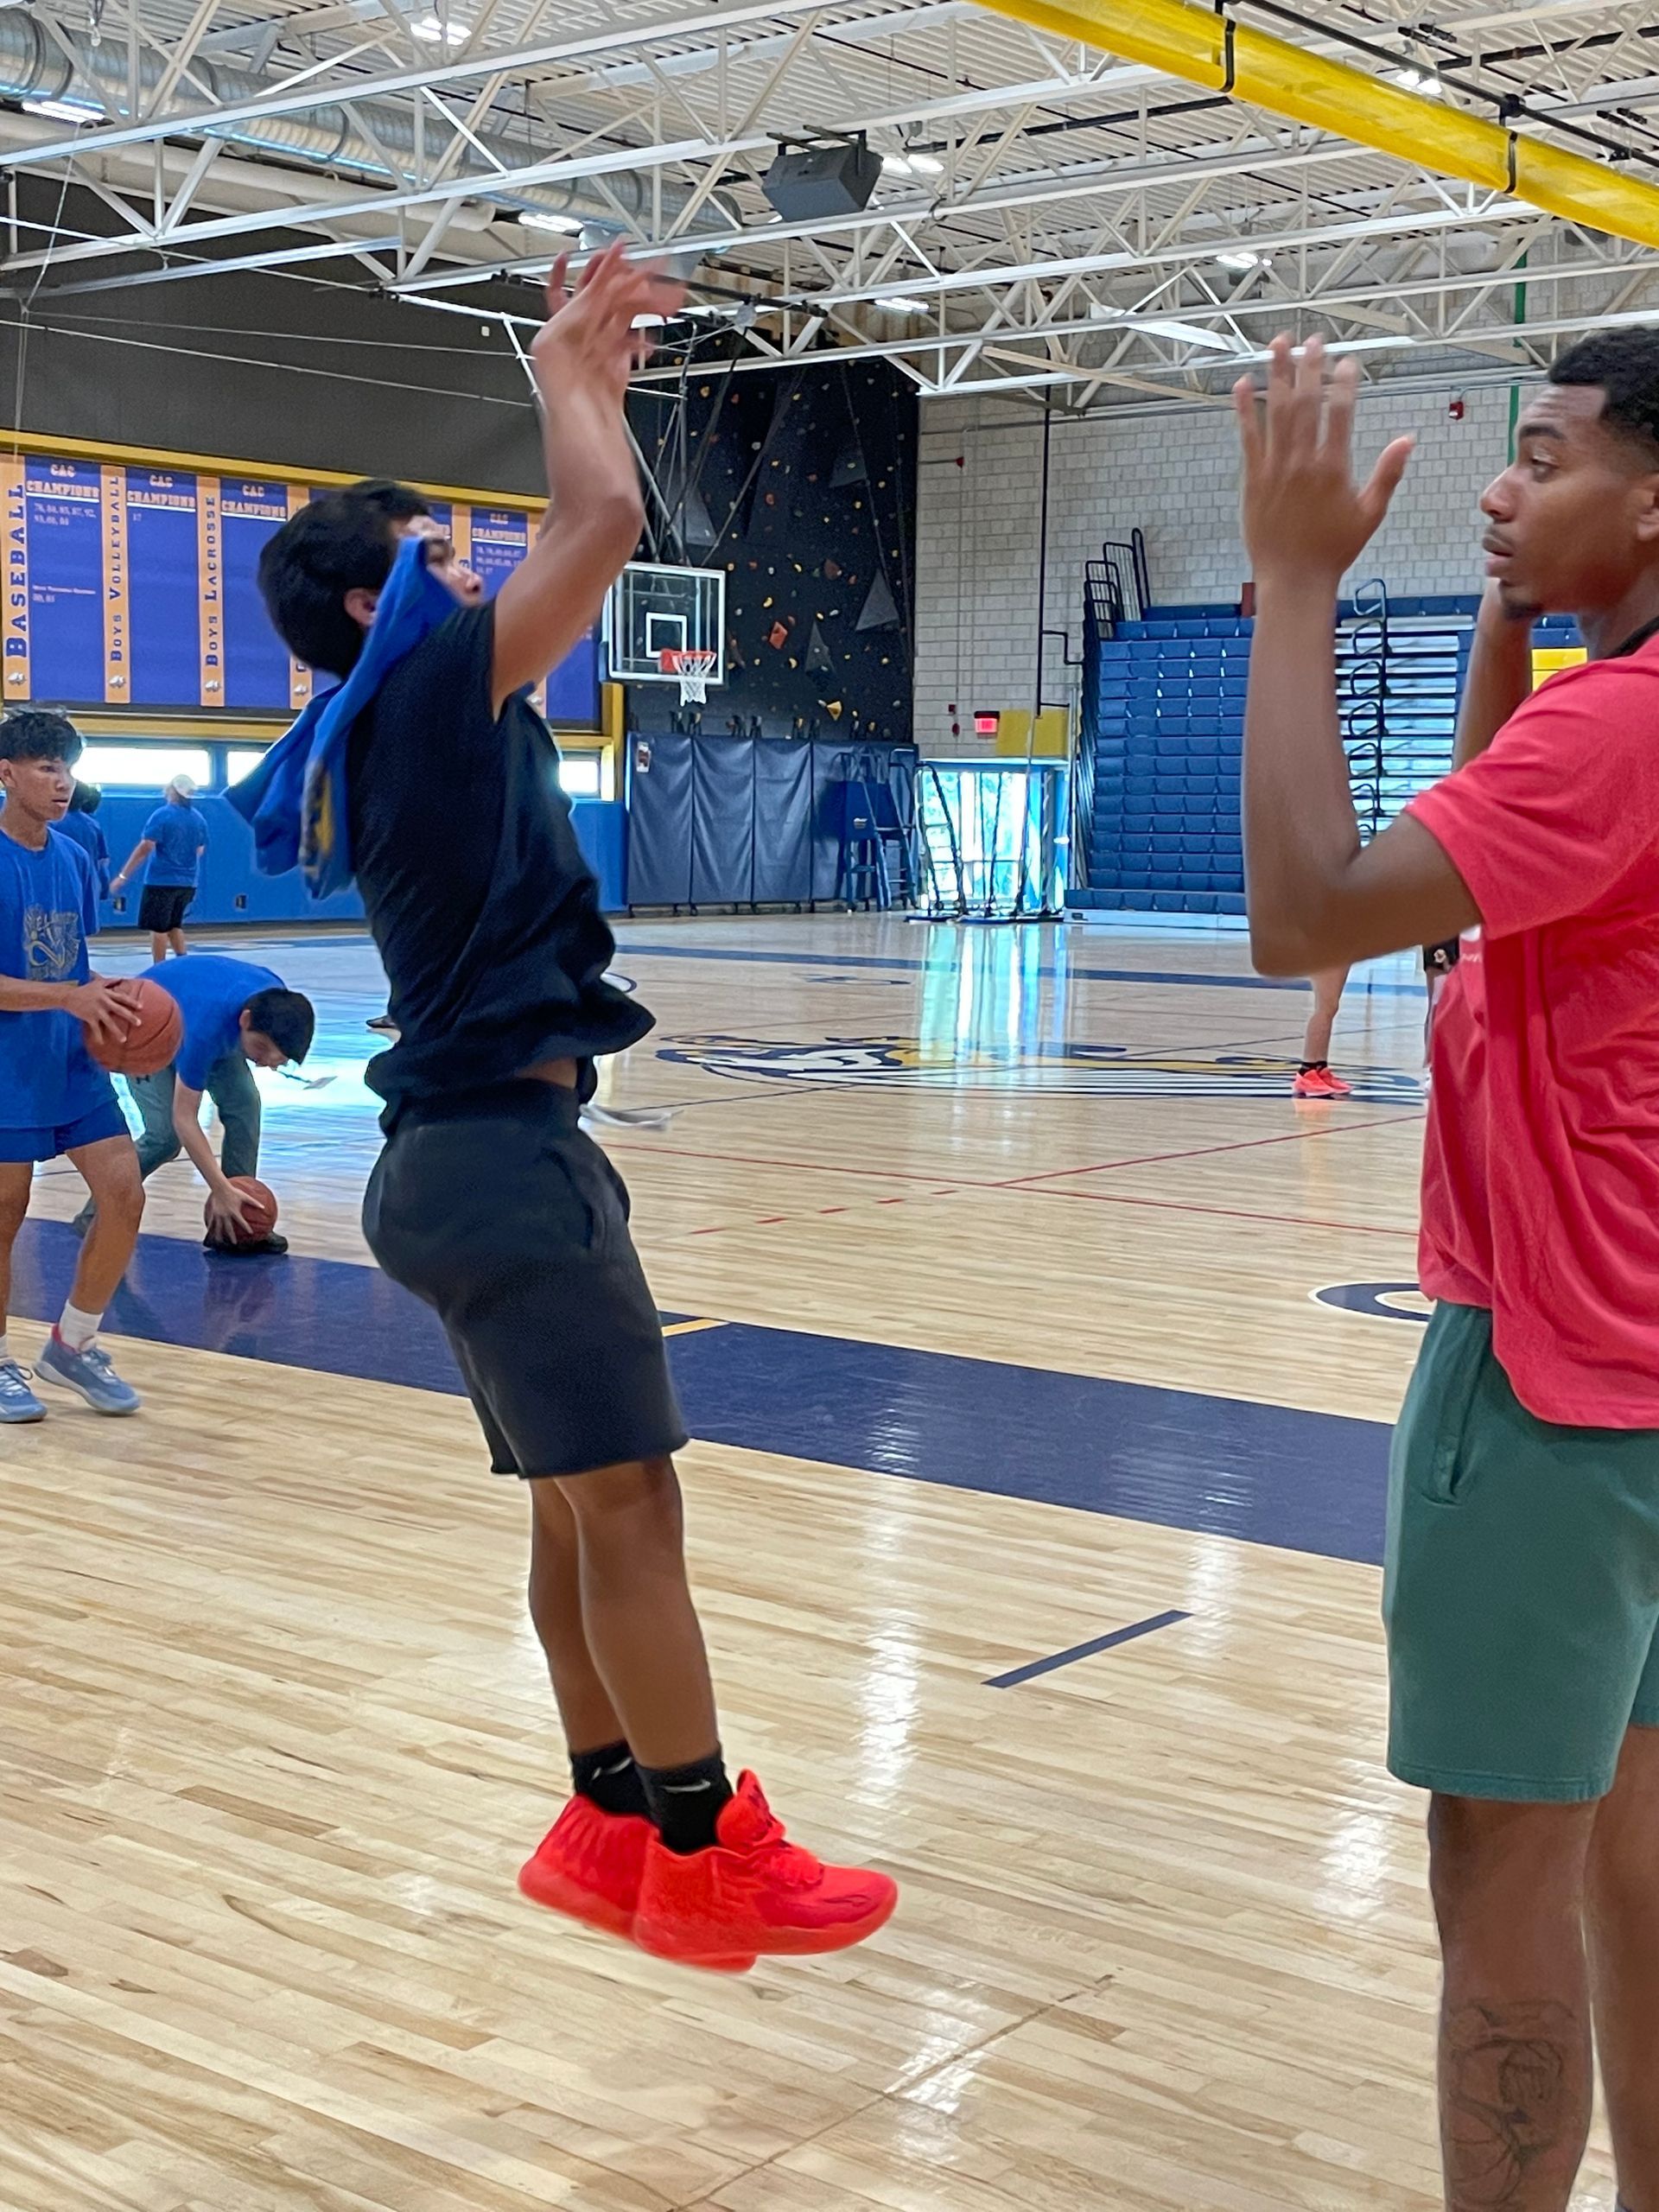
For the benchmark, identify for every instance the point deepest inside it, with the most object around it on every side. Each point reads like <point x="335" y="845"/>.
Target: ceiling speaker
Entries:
<point x="808" y="184"/>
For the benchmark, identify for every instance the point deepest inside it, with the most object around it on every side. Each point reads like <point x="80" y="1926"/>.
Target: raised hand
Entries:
<point x="583" y="357"/>
<point x="591" y="336"/>
<point x="1305" y="518"/>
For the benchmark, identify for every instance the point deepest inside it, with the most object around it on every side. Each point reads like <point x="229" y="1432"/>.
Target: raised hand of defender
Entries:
<point x="1305" y="518"/>
<point x="590" y="340"/>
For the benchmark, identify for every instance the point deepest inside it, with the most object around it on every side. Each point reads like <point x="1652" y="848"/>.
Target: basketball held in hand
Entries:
<point x="152" y="1042"/>
<point x="259" y="1212"/>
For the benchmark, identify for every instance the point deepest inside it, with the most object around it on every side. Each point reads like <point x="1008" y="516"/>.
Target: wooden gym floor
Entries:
<point x="993" y="1259"/>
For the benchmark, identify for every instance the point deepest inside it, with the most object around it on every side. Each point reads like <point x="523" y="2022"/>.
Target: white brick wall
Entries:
<point x="1177" y="478"/>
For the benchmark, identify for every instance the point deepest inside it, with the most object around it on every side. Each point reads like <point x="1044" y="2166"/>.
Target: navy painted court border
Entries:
<point x="1130" y="1635"/>
<point x="1262" y="1474"/>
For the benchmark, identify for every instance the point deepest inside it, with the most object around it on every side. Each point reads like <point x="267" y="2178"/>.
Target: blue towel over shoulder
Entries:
<point x="297" y="799"/>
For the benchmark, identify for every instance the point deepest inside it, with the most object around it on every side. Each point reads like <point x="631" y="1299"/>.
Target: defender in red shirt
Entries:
<point x="1522" y="1595"/>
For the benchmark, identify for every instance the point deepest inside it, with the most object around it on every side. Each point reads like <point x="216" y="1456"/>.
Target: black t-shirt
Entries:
<point x="485" y="911"/>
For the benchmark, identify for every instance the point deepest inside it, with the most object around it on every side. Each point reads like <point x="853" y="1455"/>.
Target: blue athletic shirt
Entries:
<point x="48" y="908"/>
<point x="180" y="837"/>
<point x="212" y="992"/>
<point x="82" y="830"/>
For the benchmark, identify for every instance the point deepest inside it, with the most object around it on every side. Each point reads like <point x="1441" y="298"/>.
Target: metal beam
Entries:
<point x="543" y="54"/>
<point x="1496" y="210"/>
<point x="1206" y="48"/>
<point x="330" y="250"/>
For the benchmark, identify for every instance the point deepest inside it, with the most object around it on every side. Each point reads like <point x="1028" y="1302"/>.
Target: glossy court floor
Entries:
<point x="1038" y="1353"/>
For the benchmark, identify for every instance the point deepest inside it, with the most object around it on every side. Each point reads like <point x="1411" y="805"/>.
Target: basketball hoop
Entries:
<point x="693" y="666"/>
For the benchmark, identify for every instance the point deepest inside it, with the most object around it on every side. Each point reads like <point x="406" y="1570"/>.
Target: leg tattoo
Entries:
<point x="1509" y="2100"/>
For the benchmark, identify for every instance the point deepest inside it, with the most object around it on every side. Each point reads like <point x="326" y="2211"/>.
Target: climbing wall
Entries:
<point x="802" y="488"/>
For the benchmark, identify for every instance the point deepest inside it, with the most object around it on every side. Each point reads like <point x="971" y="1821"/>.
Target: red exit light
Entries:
<point x="987" y="725"/>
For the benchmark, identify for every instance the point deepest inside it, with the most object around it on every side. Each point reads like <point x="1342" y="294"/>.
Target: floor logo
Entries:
<point x="1378" y="1301"/>
<point x="1109" y="1071"/>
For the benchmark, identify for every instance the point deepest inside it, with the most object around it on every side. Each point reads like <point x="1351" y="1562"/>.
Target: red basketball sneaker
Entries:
<point x="1319" y="1082"/>
<point x="589" y="1865"/>
<point x="753" y="1892"/>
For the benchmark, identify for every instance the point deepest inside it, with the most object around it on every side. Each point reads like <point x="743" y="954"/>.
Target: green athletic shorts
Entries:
<point x="1522" y="1592"/>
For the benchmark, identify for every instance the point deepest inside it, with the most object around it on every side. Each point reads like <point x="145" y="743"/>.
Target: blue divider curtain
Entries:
<point x="740" y="820"/>
<point x="233" y="890"/>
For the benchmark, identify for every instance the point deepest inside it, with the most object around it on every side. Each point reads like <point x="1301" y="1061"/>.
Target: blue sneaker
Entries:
<point x="89" y="1373"/>
<point x="17" y="1401"/>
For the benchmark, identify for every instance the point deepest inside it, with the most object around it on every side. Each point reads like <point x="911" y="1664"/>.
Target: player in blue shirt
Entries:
<point x="233" y="1014"/>
<point x="55" y="1098"/>
<point x="79" y="824"/>
<point x="174" y="838"/>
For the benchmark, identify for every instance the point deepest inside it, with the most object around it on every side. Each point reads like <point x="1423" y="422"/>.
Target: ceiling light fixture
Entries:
<point x="895" y="165"/>
<point x="436" y="31"/>
<point x="1240" y="256"/>
<point x="63" y="110"/>
<point x="1184" y="334"/>
<point x="926" y="164"/>
<point x="533" y="219"/>
<point x="902" y="305"/>
<point x="1420" y="80"/>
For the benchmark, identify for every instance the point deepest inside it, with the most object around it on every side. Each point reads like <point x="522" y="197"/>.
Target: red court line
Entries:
<point x="771" y="1220"/>
<point x="1227" y="1213"/>
<point x="1005" y="1183"/>
<point x="807" y="1166"/>
<point x="1200" y="1151"/>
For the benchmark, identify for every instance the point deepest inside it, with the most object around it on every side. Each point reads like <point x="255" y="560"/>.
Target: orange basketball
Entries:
<point x="261" y="1209"/>
<point x="153" y="1039"/>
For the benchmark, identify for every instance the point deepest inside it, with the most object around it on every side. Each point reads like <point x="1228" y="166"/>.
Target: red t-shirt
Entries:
<point x="1540" y="1174"/>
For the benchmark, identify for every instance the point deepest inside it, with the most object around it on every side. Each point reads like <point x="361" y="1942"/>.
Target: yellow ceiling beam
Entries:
<point x="1204" y="47"/>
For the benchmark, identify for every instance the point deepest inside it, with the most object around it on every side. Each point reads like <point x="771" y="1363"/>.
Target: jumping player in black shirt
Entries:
<point x="489" y="1203"/>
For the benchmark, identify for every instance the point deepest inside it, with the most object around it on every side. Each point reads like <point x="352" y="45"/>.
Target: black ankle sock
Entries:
<point x="1312" y="1067"/>
<point x="686" y="1801"/>
<point x="609" y="1779"/>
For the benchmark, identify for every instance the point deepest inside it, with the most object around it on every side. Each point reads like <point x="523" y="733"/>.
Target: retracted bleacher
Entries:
<point x="1164" y="725"/>
<point x="1166" y="705"/>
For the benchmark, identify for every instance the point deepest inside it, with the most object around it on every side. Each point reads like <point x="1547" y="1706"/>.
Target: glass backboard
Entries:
<point x="656" y="609"/>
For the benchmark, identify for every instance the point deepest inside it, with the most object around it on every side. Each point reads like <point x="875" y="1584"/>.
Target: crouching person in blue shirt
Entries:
<point x="233" y="1014"/>
<point x="55" y="1098"/>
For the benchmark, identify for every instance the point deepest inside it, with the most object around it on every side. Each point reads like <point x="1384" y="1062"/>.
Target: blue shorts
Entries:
<point x="105" y="1120"/>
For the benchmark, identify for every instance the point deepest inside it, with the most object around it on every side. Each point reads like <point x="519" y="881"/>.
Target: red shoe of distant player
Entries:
<point x="753" y="1892"/>
<point x="1319" y="1082"/>
<point x="589" y="1865"/>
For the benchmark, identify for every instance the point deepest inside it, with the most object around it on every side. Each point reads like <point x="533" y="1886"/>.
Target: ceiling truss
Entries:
<point x="1058" y="225"/>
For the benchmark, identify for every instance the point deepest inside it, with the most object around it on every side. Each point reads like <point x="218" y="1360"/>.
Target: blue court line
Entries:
<point x="1071" y="972"/>
<point x="1018" y="1674"/>
<point x="1225" y="1466"/>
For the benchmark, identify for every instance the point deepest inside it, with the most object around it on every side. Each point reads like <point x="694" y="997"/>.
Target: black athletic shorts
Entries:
<point x="163" y="907"/>
<point x="1442" y="959"/>
<point x="498" y="1212"/>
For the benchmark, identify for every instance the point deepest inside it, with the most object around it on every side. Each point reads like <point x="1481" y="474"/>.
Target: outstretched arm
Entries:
<point x="226" y="1203"/>
<point x="140" y="853"/>
<point x="105" y="1007"/>
<point x="583" y="357"/>
<point x="1317" y="897"/>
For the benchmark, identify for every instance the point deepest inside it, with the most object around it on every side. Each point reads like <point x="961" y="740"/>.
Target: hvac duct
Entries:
<point x="36" y="65"/>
